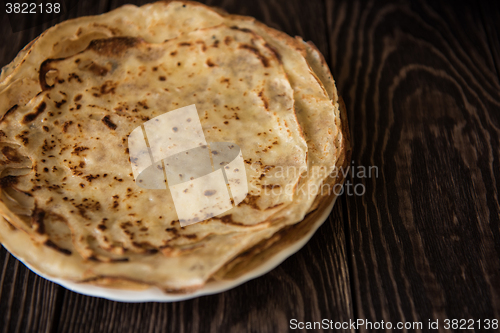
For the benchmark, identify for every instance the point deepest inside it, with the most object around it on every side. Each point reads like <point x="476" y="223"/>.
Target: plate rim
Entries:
<point x="155" y="294"/>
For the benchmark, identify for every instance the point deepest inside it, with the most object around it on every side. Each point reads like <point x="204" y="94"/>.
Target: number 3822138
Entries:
<point x="32" y="8"/>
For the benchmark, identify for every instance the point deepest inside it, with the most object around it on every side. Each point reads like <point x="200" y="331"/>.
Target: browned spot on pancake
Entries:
<point x="250" y="200"/>
<point x="271" y="186"/>
<point x="78" y="150"/>
<point x="9" y="111"/>
<point x="54" y="246"/>
<point x="255" y="51"/>
<point x="66" y="125"/>
<point x="119" y="260"/>
<point x="91" y="177"/>
<point x="234" y="27"/>
<point x="109" y="123"/>
<point x="203" y="46"/>
<point x="37" y="220"/>
<point x="264" y="100"/>
<point x="97" y="69"/>
<point x="210" y="63"/>
<point x="59" y="104"/>
<point x="115" y="46"/>
<point x="225" y="80"/>
<point x="102" y="226"/>
<point x="8" y="181"/>
<point x="173" y="53"/>
<point x="184" y="44"/>
<point x="173" y="230"/>
<point x="11" y="154"/>
<point x="32" y="116"/>
<point x="228" y="40"/>
<point x="162" y="78"/>
<point x="42" y="73"/>
<point x="274" y="51"/>
<point x="73" y="76"/>
<point x="108" y="88"/>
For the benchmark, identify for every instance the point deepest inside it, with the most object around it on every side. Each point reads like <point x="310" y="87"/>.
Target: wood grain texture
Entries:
<point x="311" y="285"/>
<point x="421" y="83"/>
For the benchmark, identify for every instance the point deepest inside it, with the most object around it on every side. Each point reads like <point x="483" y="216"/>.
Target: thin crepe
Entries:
<point x="181" y="258"/>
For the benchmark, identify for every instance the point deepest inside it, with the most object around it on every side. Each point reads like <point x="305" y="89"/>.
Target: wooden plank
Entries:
<point x="309" y="286"/>
<point x="28" y="303"/>
<point x="423" y="97"/>
<point x="490" y="14"/>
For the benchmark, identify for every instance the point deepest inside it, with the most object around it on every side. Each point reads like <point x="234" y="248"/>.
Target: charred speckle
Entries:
<point x="78" y="97"/>
<point x="109" y="123"/>
<point x="73" y="76"/>
<point x="119" y="260"/>
<point x="97" y="69"/>
<point x="264" y="99"/>
<point x="108" y="88"/>
<point x="78" y="150"/>
<point x="274" y="51"/>
<point x="162" y="78"/>
<point x="234" y="27"/>
<point x="52" y="245"/>
<point x="59" y="104"/>
<point x="114" y="46"/>
<point x="37" y="220"/>
<point x="9" y="111"/>
<point x="175" y="129"/>
<point x="66" y="125"/>
<point x="89" y="178"/>
<point x="32" y="116"/>
<point x="255" y="51"/>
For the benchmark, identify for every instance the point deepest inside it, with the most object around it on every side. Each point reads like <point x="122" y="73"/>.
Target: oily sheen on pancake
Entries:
<point x="73" y="96"/>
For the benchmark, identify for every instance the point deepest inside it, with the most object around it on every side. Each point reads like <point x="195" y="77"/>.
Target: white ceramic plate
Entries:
<point x="154" y="294"/>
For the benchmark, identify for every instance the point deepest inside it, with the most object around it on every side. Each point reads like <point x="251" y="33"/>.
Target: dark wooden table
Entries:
<point x="421" y="84"/>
